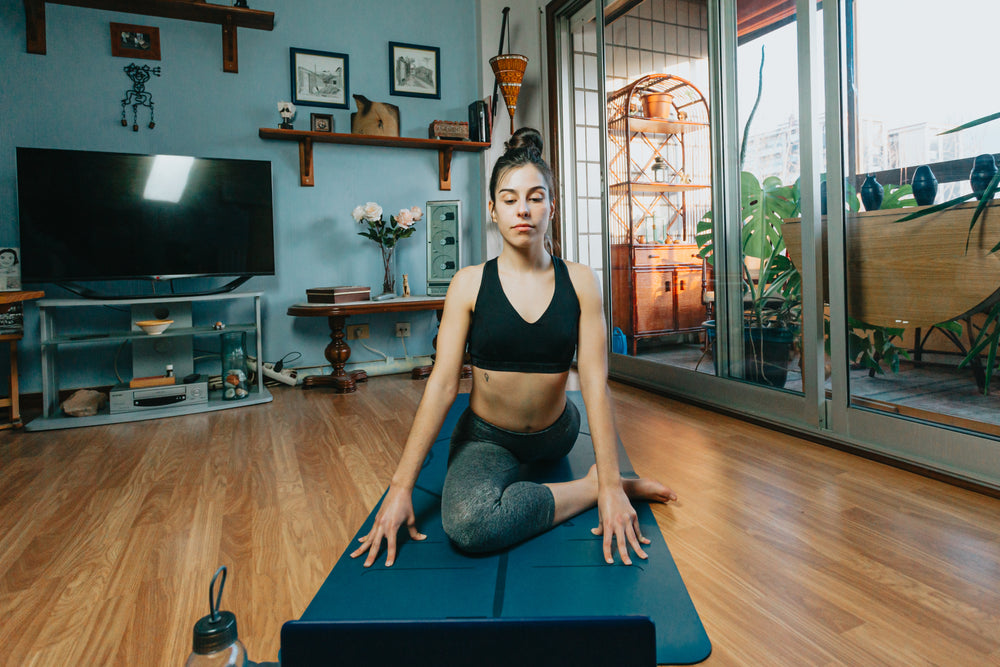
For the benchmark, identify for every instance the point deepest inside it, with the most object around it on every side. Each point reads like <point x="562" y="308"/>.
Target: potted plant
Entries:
<point x="771" y="285"/>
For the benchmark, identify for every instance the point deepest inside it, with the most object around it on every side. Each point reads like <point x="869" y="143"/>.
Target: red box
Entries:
<point x="449" y="129"/>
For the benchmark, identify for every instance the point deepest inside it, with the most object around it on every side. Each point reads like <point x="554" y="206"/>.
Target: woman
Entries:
<point x="523" y="314"/>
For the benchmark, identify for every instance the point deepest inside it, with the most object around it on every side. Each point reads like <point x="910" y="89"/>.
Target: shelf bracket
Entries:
<point x="34" y="15"/>
<point x="444" y="168"/>
<point x="306" y="176"/>
<point x="230" y="57"/>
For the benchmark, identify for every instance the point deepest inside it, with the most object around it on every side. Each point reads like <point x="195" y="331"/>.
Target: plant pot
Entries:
<point x="765" y="353"/>
<point x="657" y="105"/>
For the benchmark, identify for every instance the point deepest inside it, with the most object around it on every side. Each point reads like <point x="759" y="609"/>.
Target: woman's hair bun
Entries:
<point x="527" y="138"/>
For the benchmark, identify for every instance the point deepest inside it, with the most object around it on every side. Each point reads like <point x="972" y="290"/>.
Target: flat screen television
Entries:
<point x="93" y="216"/>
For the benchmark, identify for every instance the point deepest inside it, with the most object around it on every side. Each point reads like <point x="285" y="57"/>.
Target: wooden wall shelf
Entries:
<point x="230" y="18"/>
<point x="306" y="139"/>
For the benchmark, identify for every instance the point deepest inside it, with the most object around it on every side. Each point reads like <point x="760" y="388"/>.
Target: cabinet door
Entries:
<point x="690" y="309"/>
<point x="654" y="301"/>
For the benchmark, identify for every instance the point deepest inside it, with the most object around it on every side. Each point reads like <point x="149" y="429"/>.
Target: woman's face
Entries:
<point x="6" y="260"/>
<point x="523" y="206"/>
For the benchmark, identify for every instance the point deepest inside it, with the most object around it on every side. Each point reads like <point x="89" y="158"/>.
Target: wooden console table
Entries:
<point x="337" y="352"/>
<point x="7" y="300"/>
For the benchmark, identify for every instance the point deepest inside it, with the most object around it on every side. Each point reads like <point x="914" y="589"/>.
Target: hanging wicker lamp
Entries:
<point x="509" y="71"/>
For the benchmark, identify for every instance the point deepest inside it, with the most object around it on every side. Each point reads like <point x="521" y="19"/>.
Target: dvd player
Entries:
<point x="127" y="399"/>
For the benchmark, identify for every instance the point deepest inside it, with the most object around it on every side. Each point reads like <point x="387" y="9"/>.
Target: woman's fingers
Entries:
<point x="625" y="532"/>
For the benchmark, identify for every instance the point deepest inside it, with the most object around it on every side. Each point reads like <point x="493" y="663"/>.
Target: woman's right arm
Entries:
<point x="439" y="394"/>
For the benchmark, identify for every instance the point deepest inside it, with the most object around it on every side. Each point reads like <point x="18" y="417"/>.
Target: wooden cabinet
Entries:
<point x="659" y="174"/>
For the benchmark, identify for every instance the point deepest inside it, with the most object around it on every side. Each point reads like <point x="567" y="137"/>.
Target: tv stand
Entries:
<point x="54" y="338"/>
<point x="88" y="293"/>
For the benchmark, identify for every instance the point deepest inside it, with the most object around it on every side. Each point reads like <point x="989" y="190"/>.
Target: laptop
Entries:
<point x="623" y="641"/>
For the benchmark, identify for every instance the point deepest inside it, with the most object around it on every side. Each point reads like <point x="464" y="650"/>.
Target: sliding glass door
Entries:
<point x="739" y="172"/>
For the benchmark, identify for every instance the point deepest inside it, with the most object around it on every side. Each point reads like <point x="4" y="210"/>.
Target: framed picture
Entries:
<point x="135" y="41"/>
<point x="319" y="78"/>
<point x="321" y="122"/>
<point x="10" y="269"/>
<point x="414" y="71"/>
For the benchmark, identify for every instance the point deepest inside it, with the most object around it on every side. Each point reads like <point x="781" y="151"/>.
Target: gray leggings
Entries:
<point x="484" y="505"/>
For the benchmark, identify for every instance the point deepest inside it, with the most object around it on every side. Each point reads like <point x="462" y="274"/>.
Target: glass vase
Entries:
<point x="389" y="271"/>
<point x="234" y="365"/>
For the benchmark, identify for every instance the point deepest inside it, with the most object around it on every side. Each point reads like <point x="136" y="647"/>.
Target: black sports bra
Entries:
<point x="500" y="339"/>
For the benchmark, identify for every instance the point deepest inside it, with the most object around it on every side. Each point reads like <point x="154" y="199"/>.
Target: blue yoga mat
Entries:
<point x="558" y="574"/>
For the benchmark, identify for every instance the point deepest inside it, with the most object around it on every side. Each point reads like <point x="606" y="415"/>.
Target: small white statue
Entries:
<point x="287" y="112"/>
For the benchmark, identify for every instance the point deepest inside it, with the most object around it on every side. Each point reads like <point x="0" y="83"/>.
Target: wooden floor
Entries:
<point x="794" y="554"/>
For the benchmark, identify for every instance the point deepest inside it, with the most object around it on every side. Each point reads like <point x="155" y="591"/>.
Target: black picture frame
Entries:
<point x="414" y="70"/>
<point x="321" y="122"/>
<point x="319" y="78"/>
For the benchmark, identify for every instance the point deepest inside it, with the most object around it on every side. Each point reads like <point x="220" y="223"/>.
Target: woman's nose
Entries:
<point x="522" y="208"/>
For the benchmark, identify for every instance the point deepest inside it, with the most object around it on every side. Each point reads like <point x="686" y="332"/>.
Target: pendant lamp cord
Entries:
<point x="496" y="84"/>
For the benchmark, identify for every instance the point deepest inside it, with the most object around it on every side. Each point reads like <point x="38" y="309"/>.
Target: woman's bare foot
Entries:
<point x="647" y="489"/>
<point x="641" y="488"/>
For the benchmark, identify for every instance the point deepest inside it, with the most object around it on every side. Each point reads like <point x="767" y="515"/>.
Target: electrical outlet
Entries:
<point x="402" y="329"/>
<point x="357" y="331"/>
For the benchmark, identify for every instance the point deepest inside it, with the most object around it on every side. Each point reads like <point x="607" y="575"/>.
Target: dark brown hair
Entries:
<point x="523" y="147"/>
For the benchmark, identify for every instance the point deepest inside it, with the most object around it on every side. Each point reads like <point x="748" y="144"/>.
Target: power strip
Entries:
<point x="287" y="375"/>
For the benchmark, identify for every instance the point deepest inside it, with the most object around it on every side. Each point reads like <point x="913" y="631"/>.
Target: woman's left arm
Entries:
<point x="618" y="519"/>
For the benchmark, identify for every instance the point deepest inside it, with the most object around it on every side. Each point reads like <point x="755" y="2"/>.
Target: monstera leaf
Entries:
<point x="764" y="206"/>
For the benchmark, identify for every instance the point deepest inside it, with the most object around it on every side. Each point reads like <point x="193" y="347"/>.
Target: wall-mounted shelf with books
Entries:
<point x="306" y="139"/>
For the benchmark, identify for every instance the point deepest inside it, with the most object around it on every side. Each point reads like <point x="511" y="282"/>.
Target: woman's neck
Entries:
<point x="524" y="259"/>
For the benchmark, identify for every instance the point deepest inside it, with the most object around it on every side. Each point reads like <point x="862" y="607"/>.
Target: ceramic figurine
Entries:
<point x="924" y="186"/>
<point x="287" y="111"/>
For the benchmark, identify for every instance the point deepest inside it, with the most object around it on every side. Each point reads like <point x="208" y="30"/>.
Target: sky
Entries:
<point x="915" y="63"/>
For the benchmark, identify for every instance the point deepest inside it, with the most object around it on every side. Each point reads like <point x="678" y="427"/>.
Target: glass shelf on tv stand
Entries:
<point x="52" y="340"/>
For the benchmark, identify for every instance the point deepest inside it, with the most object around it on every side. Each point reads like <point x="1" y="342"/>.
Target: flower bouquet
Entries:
<point x="386" y="235"/>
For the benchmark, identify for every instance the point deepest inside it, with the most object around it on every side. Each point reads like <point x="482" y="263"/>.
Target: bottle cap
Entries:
<point x="217" y="630"/>
<point x="214" y="634"/>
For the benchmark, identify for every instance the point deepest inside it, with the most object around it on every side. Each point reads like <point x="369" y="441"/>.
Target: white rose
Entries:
<point x="372" y="211"/>
<point x="358" y="213"/>
<point x="404" y="219"/>
<point x="416" y="213"/>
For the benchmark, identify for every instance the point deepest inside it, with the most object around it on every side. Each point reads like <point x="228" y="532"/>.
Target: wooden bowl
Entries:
<point x="154" y="327"/>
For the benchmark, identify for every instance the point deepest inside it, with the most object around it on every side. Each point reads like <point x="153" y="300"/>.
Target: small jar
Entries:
<point x="234" y="365"/>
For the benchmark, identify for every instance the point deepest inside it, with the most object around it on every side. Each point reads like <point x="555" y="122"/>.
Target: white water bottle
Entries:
<point x="216" y="642"/>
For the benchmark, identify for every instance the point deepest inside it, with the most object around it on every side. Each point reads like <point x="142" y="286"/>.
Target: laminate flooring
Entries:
<point x="793" y="553"/>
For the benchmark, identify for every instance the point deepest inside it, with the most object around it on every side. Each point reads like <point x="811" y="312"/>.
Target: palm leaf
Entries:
<point x="983" y="338"/>
<point x="972" y="123"/>
<point x="936" y="208"/>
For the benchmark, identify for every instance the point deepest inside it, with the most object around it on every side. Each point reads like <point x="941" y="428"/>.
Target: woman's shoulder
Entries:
<point x="583" y="276"/>
<point x="465" y="284"/>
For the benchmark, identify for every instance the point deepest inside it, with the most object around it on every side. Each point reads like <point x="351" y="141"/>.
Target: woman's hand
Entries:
<point x="619" y="519"/>
<point x="396" y="510"/>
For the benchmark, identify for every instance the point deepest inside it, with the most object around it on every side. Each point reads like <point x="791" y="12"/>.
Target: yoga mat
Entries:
<point x="558" y="574"/>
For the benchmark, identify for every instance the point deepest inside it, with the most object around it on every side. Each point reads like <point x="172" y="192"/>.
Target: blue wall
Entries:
<point x="70" y="97"/>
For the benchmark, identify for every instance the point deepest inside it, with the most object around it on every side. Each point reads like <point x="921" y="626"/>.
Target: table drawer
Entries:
<point x="665" y="255"/>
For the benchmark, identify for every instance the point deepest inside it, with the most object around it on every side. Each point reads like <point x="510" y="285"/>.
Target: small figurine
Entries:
<point x="406" y="285"/>
<point x="287" y="112"/>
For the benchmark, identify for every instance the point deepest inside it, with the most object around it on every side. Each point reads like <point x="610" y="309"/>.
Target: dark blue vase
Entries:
<point x="871" y="193"/>
<point x="983" y="171"/>
<point x="924" y="186"/>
